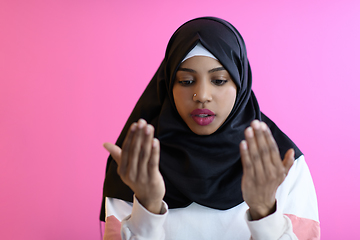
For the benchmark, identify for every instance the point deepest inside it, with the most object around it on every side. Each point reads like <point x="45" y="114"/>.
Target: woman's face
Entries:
<point x="204" y="94"/>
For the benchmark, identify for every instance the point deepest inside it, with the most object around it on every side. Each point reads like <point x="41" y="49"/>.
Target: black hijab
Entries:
<point x="197" y="168"/>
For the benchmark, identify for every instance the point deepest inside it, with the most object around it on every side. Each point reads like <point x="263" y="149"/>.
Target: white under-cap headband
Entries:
<point x="199" y="50"/>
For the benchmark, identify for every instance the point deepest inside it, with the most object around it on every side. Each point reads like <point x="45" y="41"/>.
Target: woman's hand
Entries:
<point x="138" y="165"/>
<point x="263" y="169"/>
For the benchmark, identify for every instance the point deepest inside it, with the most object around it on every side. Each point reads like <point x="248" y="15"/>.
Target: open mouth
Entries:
<point x="202" y="117"/>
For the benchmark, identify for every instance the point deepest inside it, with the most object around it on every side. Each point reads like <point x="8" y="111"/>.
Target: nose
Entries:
<point x="203" y="92"/>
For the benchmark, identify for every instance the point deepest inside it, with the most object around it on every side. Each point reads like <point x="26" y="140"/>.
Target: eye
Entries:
<point x="186" y="82"/>
<point x="219" y="82"/>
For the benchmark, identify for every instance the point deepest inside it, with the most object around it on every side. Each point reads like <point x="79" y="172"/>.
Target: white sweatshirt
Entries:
<point x="296" y="217"/>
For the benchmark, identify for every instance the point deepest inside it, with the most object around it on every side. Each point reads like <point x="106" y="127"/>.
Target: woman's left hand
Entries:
<point x="263" y="169"/>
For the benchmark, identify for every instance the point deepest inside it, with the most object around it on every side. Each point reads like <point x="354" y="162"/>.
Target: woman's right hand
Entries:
<point x="138" y="165"/>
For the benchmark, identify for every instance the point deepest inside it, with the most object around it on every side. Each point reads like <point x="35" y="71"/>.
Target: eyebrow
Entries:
<point x="193" y="71"/>
<point x="216" y="69"/>
<point x="187" y="70"/>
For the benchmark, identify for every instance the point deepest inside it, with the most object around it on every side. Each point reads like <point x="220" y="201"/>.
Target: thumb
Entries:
<point x="114" y="150"/>
<point x="289" y="160"/>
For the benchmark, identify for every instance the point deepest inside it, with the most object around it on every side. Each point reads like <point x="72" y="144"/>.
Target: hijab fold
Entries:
<point x="205" y="169"/>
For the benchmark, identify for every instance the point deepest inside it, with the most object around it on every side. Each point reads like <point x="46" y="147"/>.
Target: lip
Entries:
<point x="202" y="120"/>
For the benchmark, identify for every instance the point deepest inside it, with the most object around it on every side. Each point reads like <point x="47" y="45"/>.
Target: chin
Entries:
<point x="203" y="130"/>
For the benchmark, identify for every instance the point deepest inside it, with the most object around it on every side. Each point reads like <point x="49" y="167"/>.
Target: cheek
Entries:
<point x="179" y="99"/>
<point x="229" y="100"/>
<point x="232" y="94"/>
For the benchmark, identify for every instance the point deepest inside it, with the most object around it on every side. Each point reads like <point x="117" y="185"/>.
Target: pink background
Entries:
<point x="71" y="71"/>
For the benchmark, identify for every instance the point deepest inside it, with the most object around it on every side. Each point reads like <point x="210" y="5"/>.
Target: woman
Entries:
<point x="198" y="158"/>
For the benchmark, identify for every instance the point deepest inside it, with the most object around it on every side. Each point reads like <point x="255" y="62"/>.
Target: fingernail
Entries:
<point x="147" y="130"/>
<point x="133" y="127"/>
<point x="249" y="132"/>
<point x="256" y="124"/>
<point x="141" y="123"/>
<point x="263" y="126"/>
<point x="155" y="142"/>
<point x="243" y="144"/>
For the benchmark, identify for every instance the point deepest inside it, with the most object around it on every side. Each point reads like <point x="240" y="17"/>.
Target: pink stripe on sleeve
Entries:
<point x="304" y="228"/>
<point x="112" y="229"/>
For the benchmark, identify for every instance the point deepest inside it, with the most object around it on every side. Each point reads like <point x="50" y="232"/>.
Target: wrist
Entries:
<point x="260" y="212"/>
<point x="153" y="206"/>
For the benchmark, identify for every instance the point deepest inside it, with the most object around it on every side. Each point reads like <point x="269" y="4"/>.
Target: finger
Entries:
<point x="145" y="150"/>
<point x="254" y="154"/>
<point x="153" y="164"/>
<point x="273" y="148"/>
<point x="135" y="148"/>
<point x="262" y="145"/>
<point x="245" y="159"/>
<point x="125" y="149"/>
<point x="289" y="160"/>
<point x="114" y="150"/>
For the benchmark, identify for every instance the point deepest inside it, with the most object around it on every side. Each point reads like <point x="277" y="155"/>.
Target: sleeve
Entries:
<point x="301" y="205"/>
<point x="139" y="225"/>
<point x="296" y="215"/>
<point x="274" y="226"/>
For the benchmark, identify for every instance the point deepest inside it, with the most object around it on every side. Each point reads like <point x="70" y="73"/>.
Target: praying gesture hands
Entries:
<point x="138" y="165"/>
<point x="263" y="169"/>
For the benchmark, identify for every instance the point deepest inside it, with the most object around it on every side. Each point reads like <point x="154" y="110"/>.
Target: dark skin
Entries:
<point x="263" y="169"/>
<point x="138" y="160"/>
<point x="138" y="167"/>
